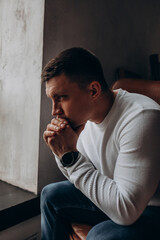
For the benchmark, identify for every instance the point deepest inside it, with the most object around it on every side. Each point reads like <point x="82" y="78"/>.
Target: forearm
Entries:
<point x="122" y="201"/>
<point x="103" y="191"/>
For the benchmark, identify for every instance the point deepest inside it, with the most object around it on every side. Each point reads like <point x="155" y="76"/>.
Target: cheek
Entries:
<point x="72" y="109"/>
<point x="69" y="108"/>
<point x="80" y="109"/>
<point x="76" y="108"/>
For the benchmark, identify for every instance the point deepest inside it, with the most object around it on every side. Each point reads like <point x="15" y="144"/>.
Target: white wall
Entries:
<point x="21" y="43"/>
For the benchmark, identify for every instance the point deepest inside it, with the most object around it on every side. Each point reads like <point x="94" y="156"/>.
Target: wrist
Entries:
<point x="66" y="151"/>
<point x="68" y="159"/>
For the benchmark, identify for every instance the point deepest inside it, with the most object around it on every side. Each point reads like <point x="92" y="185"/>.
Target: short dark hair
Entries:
<point x="79" y="64"/>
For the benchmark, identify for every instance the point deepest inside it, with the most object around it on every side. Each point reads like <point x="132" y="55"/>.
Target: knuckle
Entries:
<point x="60" y="119"/>
<point x="54" y="126"/>
<point x="59" y="123"/>
<point x="52" y="121"/>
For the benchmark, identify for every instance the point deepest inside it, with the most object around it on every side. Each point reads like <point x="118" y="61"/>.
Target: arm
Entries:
<point x="136" y="174"/>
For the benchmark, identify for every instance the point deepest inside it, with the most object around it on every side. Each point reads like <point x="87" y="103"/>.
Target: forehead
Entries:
<point x="60" y="84"/>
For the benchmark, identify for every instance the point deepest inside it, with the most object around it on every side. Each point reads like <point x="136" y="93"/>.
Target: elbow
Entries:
<point x="127" y="218"/>
<point x="126" y="221"/>
<point x="127" y="213"/>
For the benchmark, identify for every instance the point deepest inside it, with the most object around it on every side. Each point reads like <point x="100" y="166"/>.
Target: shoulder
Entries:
<point x="138" y="100"/>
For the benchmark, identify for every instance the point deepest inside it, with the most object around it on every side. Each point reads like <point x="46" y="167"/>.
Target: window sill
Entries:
<point x="16" y="205"/>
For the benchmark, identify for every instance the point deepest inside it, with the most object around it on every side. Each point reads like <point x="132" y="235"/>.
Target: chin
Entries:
<point x="75" y="125"/>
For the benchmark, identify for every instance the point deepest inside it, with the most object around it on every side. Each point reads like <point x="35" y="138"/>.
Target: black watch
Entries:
<point x="69" y="158"/>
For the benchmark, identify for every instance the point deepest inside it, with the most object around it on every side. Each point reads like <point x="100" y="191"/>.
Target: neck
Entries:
<point x="103" y="106"/>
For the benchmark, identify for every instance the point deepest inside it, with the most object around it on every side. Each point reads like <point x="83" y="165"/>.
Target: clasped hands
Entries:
<point x="60" y="137"/>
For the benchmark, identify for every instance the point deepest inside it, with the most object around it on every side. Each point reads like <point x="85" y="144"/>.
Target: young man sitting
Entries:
<point x="106" y="143"/>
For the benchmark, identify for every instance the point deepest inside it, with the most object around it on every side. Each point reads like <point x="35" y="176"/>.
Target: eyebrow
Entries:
<point x="55" y="95"/>
<point x="52" y="95"/>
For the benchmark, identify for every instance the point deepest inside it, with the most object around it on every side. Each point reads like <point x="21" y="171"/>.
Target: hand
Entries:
<point x="60" y="137"/>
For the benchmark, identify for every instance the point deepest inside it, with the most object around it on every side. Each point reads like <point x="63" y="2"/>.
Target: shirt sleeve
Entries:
<point x="136" y="174"/>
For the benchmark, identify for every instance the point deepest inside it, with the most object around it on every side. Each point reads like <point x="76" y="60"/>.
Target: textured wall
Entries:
<point x="122" y="33"/>
<point x="21" y="42"/>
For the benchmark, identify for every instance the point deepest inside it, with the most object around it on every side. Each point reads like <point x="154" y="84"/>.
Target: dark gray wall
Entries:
<point x="121" y="33"/>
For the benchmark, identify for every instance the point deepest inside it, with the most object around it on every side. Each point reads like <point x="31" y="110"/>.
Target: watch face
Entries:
<point x="69" y="158"/>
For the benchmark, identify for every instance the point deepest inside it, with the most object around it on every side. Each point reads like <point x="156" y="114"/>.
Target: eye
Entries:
<point x="62" y="97"/>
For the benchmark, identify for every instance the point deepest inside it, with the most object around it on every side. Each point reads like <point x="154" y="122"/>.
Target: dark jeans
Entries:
<point x="62" y="203"/>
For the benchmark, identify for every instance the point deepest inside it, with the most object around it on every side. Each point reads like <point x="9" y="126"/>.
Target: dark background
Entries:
<point x="122" y="33"/>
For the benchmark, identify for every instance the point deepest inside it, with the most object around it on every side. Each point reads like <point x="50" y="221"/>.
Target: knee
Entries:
<point x="53" y="194"/>
<point x="49" y="194"/>
<point x="108" y="231"/>
<point x="94" y="234"/>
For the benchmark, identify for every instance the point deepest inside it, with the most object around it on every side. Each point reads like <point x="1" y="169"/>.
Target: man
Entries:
<point x="106" y="143"/>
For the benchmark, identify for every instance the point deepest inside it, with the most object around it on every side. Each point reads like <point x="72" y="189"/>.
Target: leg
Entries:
<point x="62" y="203"/>
<point x="145" y="228"/>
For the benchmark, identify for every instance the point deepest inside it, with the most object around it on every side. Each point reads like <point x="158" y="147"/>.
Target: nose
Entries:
<point x="56" y="109"/>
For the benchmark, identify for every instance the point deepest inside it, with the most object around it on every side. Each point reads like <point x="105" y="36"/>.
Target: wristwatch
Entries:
<point x="69" y="158"/>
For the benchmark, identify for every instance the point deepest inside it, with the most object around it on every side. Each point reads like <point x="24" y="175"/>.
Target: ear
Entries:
<point x="95" y="89"/>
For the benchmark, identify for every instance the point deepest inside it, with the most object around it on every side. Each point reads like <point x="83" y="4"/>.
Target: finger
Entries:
<point x="47" y="134"/>
<point x="57" y="125"/>
<point x="51" y="127"/>
<point x="58" y="121"/>
<point x="54" y="128"/>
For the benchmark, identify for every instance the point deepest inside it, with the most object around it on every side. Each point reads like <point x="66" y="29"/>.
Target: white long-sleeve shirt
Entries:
<point x="119" y="169"/>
